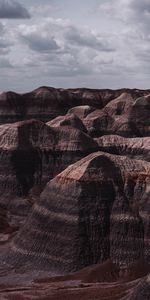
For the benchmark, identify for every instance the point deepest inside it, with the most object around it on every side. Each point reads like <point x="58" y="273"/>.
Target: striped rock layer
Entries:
<point x="125" y="116"/>
<point x="64" y="206"/>
<point x="138" y="148"/>
<point x="31" y="153"/>
<point x="94" y="210"/>
<point x="46" y="103"/>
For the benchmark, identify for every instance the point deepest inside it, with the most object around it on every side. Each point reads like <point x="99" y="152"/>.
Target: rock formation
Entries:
<point x="70" y="119"/>
<point x="74" y="194"/>
<point x="138" y="148"/>
<point x="100" y="194"/>
<point x="31" y="153"/>
<point x="123" y="116"/>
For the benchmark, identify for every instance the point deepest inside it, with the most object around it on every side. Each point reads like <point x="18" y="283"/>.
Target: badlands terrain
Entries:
<point x="75" y="194"/>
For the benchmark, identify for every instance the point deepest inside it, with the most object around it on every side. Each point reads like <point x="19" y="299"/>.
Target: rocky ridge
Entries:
<point x="75" y="191"/>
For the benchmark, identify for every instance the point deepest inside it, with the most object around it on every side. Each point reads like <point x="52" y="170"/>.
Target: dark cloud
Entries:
<point x="40" y="43"/>
<point x="140" y="6"/>
<point x="10" y="9"/>
<point x="4" y="44"/>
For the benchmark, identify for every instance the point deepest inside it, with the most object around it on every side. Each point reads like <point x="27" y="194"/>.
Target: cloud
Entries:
<point x="129" y="11"/>
<point x="132" y="21"/>
<point x="140" y="7"/>
<point x="5" y="63"/>
<point x="5" y="41"/>
<point x="62" y="49"/>
<point x="40" y="43"/>
<point x="43" y="10"/>
<point x="111" y="52"/>
<point x="62" y="36"/>
<point x="10" y="9"/>
<point x="87" y="38"/>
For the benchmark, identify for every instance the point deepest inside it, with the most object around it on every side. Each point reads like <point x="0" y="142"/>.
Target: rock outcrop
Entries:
<point x="104" y="215"/>
<point x="31" y="153"/>
<point x="74" y="194"/>
<point x="123" y="116"/>
<point x="81" y="111"/>
<point x="138" y="148"/>
<point x="46" y="103"/>
<point x="141" y="291"/>
<point x="69" y="119"/>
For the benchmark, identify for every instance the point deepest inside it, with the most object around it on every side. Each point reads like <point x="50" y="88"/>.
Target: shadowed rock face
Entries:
<point x="138" y="148"/>
<point x="11" y="107"/>
<point x="74" y="194"/>
<point x="123" y="116"/>
<point x="31" y="153"/>
<point x="46" y="103"/>
<point x="103" y="216"/>
<point x="142" y="291"/>
<point x="4" y="226"/>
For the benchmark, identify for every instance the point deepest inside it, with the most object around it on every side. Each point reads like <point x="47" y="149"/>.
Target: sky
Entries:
<point x="81" y="43"/>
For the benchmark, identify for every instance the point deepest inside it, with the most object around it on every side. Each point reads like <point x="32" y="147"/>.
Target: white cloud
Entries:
<point x="5" y="63"/>
<point x="62" y="49"/>
<point x="87" y="38"/>
<point x="112" y="52"/>
<point x="133" y="12"/>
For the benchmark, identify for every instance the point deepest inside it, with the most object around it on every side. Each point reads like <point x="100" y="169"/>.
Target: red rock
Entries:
<point x="69" y="119"/>
<point x="64" y="207"/>
<point x="104" y="215"/>
<point x="138" y="148"/>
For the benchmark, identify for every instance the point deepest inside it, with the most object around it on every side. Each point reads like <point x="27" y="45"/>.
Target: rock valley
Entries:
<point x="75" y="194"/>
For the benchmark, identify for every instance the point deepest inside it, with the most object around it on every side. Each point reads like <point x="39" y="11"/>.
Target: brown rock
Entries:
<point x="81" y="111"/>
<point x="69" y="119"/>
<point x="104" y="215"/>
<point x="31" y="153"/>
<point x="46" y="103"/>
<point x="138" y="148"/>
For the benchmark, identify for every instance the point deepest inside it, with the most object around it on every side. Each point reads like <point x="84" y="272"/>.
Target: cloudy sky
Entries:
<point x="82" y="43"/>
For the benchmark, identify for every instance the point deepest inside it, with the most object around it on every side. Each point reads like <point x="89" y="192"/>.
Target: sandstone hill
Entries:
<point x="75" y="194"/>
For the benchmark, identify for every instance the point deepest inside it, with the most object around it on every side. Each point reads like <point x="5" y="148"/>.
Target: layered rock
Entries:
<point x="4" y="225"/>
<point x="139" y="116"/>
<point x="94" y="215"/>
<point x="99" y="123"/>
<point x="124" y="116"/>
<point x="141" y="291"/>
<point x="11" y="107"/>
<point x="31" y="153"/>
<point x="46" y="103"/>
<point x="120" y="105"/>
<point x="138" y="148"/>
<point x="81" y="111"/>
<point x="69" y="119"/>
<point x="104" y="215"/>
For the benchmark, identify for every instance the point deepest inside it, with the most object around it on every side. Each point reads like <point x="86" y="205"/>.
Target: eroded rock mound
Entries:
<point x="123" y="116"/>
<point x="138" y="148"/>
<point x="31" y="153"/>
<point x="104" y="215"/>
<point x="46" y="103"/>
<point x="11" y="107"/>
<point x="81" y="111"/>
<point x="64" y="207"/>
<point x="69" y="119"/>
<point x="120" y="105"/>
<point x="141" y="292"/>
